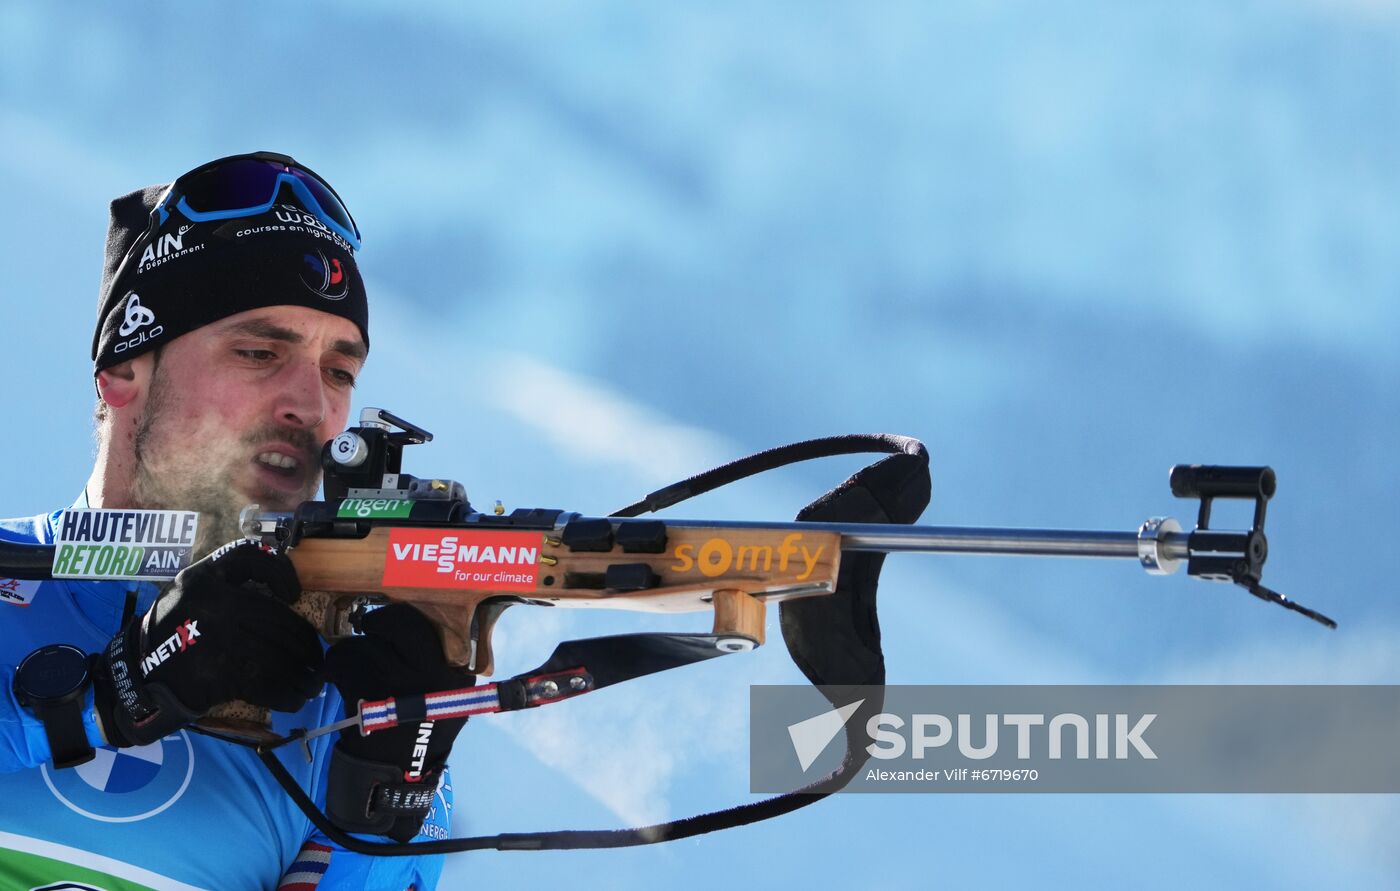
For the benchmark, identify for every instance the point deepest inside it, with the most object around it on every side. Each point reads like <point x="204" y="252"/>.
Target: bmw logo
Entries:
<point x="126" y="785"/>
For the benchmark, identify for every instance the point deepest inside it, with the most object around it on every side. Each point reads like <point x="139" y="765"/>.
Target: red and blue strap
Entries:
<point x="465" y="702"/>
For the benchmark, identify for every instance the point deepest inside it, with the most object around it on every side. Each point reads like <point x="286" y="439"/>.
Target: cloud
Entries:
<point x="71" y="170"/>
<point x="1364" y="656"/>
<point x="589" y="422"/>
<point x="629" y="746"/>
<point x="1367" y="11"/>
<point x="1354" y="829"/>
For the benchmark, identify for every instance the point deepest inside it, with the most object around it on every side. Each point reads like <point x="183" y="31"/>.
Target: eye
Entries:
<point x="256" y="355"/>
<point x="341" y="377"/>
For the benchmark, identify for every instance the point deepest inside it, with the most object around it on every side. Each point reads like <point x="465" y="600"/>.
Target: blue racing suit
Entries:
<point x="187" y="812"/>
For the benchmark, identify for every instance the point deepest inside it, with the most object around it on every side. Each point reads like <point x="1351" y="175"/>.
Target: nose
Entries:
<point x="301" y="401"/>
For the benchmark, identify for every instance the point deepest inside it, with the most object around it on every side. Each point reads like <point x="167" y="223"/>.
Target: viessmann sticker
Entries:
<point x="124" y="544"/>
<point x="481" y="561"/>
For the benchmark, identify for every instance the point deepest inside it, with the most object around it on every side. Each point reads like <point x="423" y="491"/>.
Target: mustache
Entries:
<point x="304" y="442"/>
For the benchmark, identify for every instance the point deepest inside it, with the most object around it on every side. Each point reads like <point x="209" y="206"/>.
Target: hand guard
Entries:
<point x="224" y="631"/>
<point x="384" y="783"/>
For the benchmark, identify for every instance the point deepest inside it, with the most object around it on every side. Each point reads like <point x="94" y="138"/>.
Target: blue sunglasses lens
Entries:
<point x="326" y="198"/>
<point x="248" y="182"/>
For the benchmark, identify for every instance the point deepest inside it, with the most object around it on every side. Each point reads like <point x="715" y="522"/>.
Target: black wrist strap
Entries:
<point x="370" y="796"/>
<point x="53" y="683"/>
<point x="63" y="725"/>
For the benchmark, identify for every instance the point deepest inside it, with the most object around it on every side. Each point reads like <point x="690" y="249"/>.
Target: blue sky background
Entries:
<point x="1066" y="244"/>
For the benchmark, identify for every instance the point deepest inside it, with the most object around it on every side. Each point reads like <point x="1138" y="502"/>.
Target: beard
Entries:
<point x="171" y="474"/>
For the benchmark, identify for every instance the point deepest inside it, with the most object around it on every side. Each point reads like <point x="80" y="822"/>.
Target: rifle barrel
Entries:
<point x="891" y="538"/>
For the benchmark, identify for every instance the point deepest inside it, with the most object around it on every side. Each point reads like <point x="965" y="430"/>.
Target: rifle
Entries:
<point x="382" y="535"/>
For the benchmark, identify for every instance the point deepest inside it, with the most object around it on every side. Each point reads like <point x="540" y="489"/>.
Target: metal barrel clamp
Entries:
<point x="1218" y="555"/>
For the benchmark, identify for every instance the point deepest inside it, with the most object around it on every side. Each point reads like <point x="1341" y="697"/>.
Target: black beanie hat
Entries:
<point x="188" y="274"/>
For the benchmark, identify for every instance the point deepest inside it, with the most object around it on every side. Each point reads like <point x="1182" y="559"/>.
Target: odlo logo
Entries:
<point x="136" y="316"/>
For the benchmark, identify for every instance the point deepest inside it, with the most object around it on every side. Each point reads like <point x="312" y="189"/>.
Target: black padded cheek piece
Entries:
<point x="372" y="797"/>
<point x="835" y="640"/>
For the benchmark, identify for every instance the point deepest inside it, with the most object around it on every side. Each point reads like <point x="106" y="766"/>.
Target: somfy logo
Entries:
<point x="811" y="737"/>
<point x="136" y="316"/>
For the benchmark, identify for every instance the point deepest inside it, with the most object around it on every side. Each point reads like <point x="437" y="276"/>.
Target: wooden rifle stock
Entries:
<point x="731" y="572"/>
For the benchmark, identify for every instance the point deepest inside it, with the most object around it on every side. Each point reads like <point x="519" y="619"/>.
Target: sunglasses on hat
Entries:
<point x="248" y="185"/>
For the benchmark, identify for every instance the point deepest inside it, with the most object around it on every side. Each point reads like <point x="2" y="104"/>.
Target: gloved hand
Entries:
<point x="384" y="783"/>
<point x="224" y="631"/>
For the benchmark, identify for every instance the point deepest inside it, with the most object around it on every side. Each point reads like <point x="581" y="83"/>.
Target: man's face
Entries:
<point x="237" y="412"/>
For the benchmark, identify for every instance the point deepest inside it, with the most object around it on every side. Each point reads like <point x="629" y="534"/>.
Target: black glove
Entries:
<point x="223" y="631"/>
<point x="384" y="783"/>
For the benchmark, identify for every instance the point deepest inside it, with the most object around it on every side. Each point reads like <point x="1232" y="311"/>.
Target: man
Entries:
<point x="232" y="323"/>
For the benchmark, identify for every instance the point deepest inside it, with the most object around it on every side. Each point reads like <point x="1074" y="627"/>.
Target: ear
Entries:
<point x="121" y="385"/>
